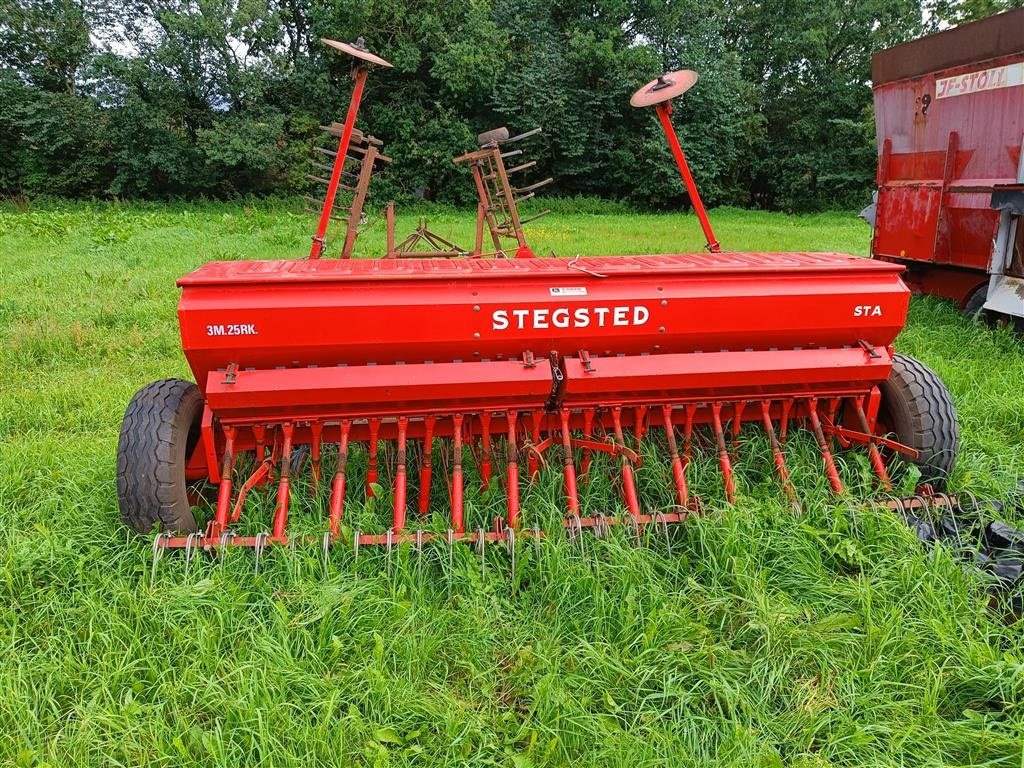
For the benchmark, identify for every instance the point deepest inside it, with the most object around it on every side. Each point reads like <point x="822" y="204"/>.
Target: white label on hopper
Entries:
<point x="572" y="291"/>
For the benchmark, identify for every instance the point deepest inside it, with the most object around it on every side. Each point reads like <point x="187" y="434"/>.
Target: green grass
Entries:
<point x="753" y="638"/>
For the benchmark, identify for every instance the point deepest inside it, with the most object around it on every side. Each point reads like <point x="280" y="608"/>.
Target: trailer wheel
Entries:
<point x="974" y="308"/>
<point x="161" y="428"/>
<point x="917" y="408"/>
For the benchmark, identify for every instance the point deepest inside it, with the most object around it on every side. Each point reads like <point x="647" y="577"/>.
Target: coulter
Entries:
<point x="408" y="378"/>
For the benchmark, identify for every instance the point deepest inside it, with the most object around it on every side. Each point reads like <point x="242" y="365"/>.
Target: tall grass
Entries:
<point x="749" y="637"/>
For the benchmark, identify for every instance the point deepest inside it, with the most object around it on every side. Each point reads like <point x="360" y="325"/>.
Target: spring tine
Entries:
<point x="259" y="546"/>
<point x="663" y="521"/>
<point x="873" y="454"/>
<point x="388" y="542"/>
<point x="284" y="486"/>
<point x="635" y="527"/>
<point x="588" y="432"/>
<point x="485" y="457"/>
<point x="512" y="472"/>
<point x="371" y="469"/>
<point x="222" y="546"/>
<point x="678" y="473"/>
<point x="481" y="549"/>
<point x="570" y="469"/>
<point x="723" y="453"/>
<point x="536" y="541"/>
<point x="426" y="467"/>
<point x="576" y="530"/>
<point x="457" y="522"/>
<point x="628" y="479"/>
<point x="189" y="552"/>
<point x="780" y="459"/>
<point x="398" y="517"/>
<point x="220" y="520"/>
<point x="325" y="548"/>
<point x="338" y="486"/>
<point x="826" y="454"/>
<point x="355" y="545"/>
<point x="316" y="428"/>
<point x="510" y="539"/>
<point x="159" y="547"/>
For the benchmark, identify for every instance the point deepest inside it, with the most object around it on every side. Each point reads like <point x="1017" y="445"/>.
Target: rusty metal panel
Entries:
<point x="949" y="116"/>
<point x="991" y="38"/>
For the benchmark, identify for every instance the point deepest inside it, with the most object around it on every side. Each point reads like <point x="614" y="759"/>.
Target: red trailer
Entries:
<point x="949" y="111"/>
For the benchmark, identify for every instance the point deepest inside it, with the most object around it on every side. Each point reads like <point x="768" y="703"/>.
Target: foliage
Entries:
<point x="215" y="98"/>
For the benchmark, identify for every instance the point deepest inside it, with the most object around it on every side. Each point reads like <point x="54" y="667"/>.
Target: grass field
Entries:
<point x="759" y="639"/>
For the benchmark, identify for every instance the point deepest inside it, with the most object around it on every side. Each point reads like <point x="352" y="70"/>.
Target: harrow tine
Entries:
<point x="388" y="541"/>
<point x="457" y="522"/>
<point x="512" y="472"/>
<point x="628" y="479"/>
<point x="877" y="463"/>
<point x="398" y="517"/>
<point x="663" y="522"/>
<point x="481" y="549"/>
<point x="826" y="454"/>
<point x="575" y="531"/>
<point x="159" y="548"/>
<point x="338" y="486"/>
<point x="570" y="469"/>
<point x="510" y="540"/>
<point x="678" y="473"/>
<point x="356" y="539"/>
<point x="259" y="546"/>
<point x="222" y="546"/>
<point x="426" y="468"/>
<point x="723" y="453"/>
<point x="485" y="456"/>
<point x="536" y="541"/>
<point x="371" y="469"/>
<point x="325" y="548"/>
<point x="189" y="552"/>
<point x="780" y="460"/>
<point x="284" y="485"/>
<point x="635" y="528"/>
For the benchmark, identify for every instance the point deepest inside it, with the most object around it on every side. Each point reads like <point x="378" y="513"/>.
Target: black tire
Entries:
<point x="917" y="408"/>
<point x="976" y="304"/>
<point x="160" y="430"/>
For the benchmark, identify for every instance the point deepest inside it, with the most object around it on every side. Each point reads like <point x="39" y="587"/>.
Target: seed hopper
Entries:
<point x="405" y="379"/>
